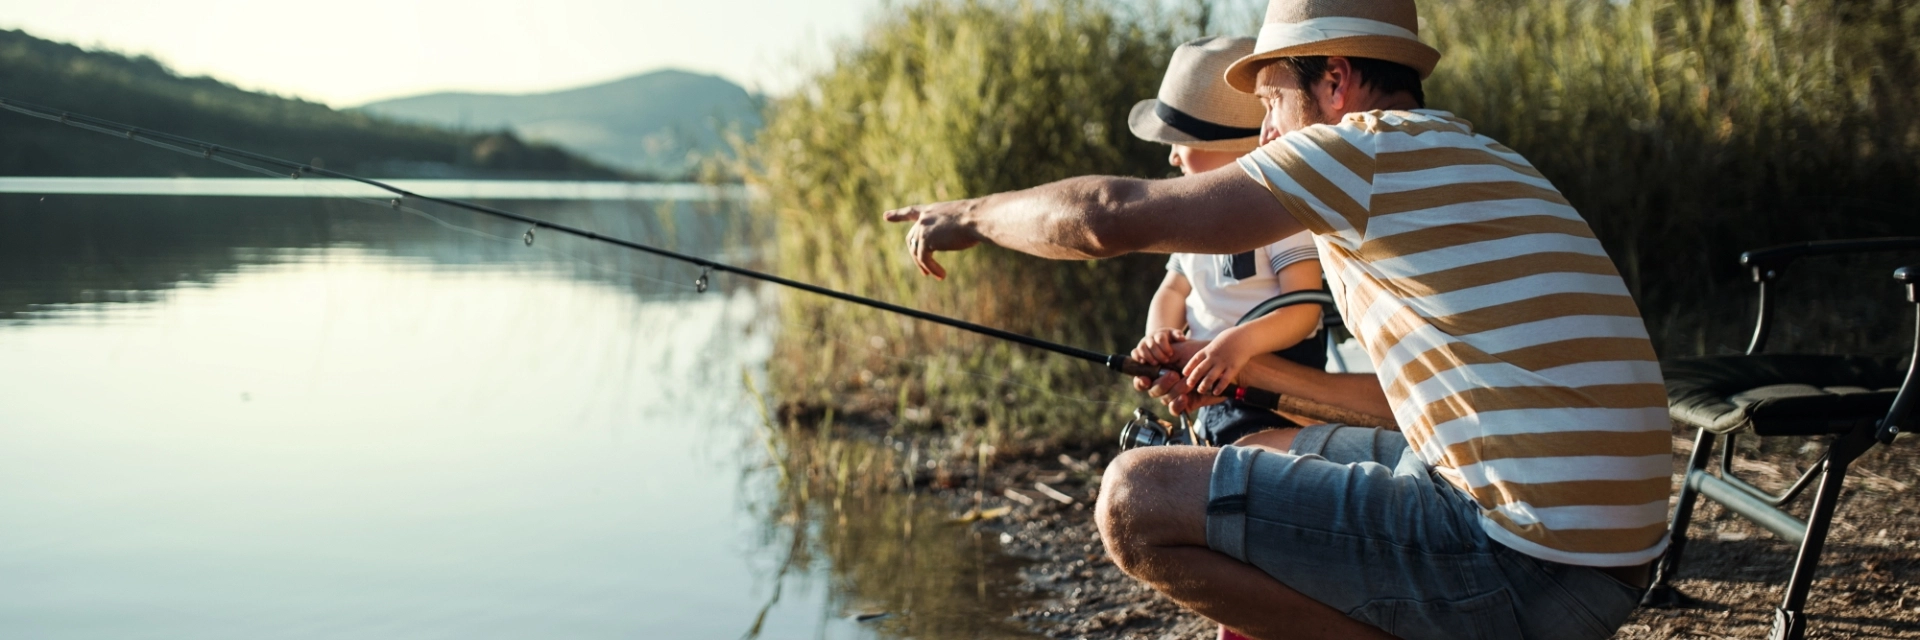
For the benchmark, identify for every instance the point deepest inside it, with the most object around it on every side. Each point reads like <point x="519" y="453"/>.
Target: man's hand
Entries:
<point x="1157" y="347"/>
<point x="937" y="227"/>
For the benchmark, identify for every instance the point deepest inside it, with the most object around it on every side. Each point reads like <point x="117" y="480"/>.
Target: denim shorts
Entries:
<point x="1351" y="518"/>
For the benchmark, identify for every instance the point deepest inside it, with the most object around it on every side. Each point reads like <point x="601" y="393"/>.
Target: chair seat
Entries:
<point x="1781" y="395"/>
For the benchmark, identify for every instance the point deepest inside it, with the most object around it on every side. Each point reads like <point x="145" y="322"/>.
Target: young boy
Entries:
<point x="1209" y="126"/>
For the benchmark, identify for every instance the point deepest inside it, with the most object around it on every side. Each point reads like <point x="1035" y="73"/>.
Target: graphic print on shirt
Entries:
<point x="1217" y="299"/>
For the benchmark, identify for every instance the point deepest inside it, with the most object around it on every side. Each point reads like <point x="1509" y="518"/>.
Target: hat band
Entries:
<point x="1280" y="35"/>
<point x="1201" y="129"/>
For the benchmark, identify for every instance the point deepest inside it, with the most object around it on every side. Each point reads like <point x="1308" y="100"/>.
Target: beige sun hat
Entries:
<point x="1380" y="29"/>
<point x="1194" y="108"/>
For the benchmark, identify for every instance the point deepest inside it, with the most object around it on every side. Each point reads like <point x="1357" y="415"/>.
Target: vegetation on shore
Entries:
<point x="1685" y="130"/>
<point x="943" y="99"/>
<point x="142" y="92"/>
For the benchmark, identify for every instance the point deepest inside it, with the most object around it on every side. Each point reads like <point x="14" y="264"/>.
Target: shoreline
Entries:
<point x="1040" y="507"/>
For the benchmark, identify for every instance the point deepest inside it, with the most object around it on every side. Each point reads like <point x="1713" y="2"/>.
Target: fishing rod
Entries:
<point x="294" y="170"/>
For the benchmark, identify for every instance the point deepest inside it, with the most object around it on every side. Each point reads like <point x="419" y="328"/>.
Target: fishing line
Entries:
<point x="927" y="363"/>
<point x="232" y="156"/>
<point x="212" y="152"/>
<point x="569" y="257"/>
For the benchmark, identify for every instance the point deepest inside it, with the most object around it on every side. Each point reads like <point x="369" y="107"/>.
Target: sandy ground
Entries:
<point x="1734" y="570"/>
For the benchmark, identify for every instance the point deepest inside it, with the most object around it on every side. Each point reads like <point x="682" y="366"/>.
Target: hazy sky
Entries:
<point x="348" y="52"/>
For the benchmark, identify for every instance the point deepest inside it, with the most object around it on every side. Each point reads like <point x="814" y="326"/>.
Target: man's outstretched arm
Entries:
<point x="1220" y="211"/>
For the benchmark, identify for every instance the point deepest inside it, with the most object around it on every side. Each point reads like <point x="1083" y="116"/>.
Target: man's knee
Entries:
<point x="1151" y="498"/>
<point x="1117" y="488"/>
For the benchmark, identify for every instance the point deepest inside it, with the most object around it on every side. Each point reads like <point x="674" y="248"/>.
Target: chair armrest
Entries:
<point x="1767" y="265"/>
<point x="1769" y="262"/>
<point x="1288" y="299"/>
<point x="1900" y="415"/>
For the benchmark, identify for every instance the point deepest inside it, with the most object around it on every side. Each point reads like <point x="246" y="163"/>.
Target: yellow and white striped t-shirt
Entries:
<point x="1514" y="358"/>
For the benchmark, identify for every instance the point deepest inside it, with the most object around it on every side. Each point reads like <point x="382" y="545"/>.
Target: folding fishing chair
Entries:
<point x="1853" y="401"/>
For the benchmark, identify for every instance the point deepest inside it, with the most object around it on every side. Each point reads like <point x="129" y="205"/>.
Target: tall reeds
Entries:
<point x="946" y="99"/>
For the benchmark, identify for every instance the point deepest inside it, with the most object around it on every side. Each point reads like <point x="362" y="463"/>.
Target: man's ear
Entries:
<point x="1336" y="89"/>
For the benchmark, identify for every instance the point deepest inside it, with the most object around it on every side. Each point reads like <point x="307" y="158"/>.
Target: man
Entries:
<point x="1526" y="488"/>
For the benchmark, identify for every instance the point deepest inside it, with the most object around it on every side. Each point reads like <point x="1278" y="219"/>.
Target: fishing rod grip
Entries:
<point x="1303" y="407"/>
<point x="1133" y="367"/>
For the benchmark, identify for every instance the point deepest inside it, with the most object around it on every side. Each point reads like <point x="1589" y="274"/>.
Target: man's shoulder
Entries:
<point x="1359" y="137"/>
<point x="1412" y="123"/>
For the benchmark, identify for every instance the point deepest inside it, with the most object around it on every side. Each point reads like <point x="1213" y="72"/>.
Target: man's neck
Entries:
<point x="1366" y="101"/>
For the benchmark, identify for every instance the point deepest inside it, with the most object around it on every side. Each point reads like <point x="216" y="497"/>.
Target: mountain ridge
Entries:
<point x="141" y="91"/>
<point x="661" y="122"/>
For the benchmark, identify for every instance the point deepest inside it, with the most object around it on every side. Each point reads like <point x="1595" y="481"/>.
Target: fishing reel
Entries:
<point x="1148" y="430"/>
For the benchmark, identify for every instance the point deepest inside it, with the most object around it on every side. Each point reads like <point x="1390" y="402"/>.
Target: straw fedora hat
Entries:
<point x="1194" y="108"/>
<point x="1380" y="29"/>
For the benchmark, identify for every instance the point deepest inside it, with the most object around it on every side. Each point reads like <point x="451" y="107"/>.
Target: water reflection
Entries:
<point x="896" y="559"/>
<point x="246" y="417"/>
<point x="80" y="248"/>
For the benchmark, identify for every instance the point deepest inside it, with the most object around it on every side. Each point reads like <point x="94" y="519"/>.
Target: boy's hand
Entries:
<point x="1171" y="388"/>
<point x="1157" y="347"/>
<point x="1219" y="363"/>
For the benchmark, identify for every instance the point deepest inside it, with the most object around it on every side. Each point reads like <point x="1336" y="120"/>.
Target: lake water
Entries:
<point x="288" y="416"/>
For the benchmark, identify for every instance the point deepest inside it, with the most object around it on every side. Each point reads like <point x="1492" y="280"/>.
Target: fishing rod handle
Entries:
<point x="1303" y="407"/>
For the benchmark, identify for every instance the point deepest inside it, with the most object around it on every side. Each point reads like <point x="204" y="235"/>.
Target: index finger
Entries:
<point x="903" y="214"/>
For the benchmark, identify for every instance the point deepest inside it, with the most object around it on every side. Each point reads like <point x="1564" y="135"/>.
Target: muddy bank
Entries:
<point x="1039" y="505"/>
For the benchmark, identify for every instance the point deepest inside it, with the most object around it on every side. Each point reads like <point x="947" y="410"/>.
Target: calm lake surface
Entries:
<point x="276" y="415"/>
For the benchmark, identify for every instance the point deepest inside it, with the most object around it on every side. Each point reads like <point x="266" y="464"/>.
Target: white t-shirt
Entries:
<point x="1219" y="299"/>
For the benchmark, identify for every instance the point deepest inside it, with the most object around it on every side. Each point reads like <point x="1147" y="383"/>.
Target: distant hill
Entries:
<point x="142" y="92"/>
<point x="658" y="122"/>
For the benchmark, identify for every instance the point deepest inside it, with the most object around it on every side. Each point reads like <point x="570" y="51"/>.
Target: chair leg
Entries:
<point x="1661" y="594"/>
<point x="1790" y="619"/>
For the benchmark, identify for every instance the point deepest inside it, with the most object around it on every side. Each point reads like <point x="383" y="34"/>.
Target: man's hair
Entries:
<point x="1385" y="77"/>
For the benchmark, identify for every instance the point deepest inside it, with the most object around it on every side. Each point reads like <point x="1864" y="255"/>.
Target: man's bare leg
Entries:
<point x="1152" y="516"/>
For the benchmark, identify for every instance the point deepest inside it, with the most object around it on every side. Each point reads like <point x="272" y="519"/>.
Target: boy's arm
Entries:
<point x="1166" y="320"/>
<point x="1287" y="326"/>
<point x="1217" y="365"/>
<point x="1169" y="308"/>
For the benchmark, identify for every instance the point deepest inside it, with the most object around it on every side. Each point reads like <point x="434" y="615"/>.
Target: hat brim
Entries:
<point x="1413" y="53"/>
<point x="1147" y="126"/>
